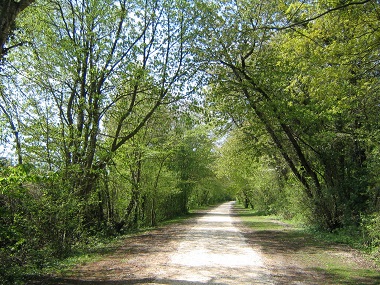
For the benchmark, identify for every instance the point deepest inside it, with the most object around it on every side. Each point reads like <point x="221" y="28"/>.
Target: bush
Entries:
<point x="40" y="221"/>
<point x="371" y="232"/>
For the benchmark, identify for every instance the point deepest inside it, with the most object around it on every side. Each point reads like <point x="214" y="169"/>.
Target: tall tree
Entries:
<point x="9" y="10"/>
<point x="255" y="74"/>
<point x="9" y="113"/>
<point x="93" y="57"/>
<point x="88" y="63"/>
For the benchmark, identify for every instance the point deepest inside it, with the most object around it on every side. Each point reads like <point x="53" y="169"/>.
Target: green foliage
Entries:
<point x="371" y="231"/>
<point x="330" y="118"/>
<point x="40" y="220"/>
<point x="92" y="105"/>
<point x="14" y="205"/>
<point x="192" y="160"/>
<point x="255" y="178"/>
<point x="304" y="89"/>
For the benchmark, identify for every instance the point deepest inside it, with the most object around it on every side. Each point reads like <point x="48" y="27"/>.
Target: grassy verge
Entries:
<point x="297" y="249"/>
<point x="91" y="252"/>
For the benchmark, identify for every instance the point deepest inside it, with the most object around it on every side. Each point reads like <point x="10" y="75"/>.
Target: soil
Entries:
<point x="214" y="248"/>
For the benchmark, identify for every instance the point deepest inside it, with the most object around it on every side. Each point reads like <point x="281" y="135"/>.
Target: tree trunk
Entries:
<point x="320" y="202"/>
<point x="9" y="10"/>
<point x="15" y="133"/>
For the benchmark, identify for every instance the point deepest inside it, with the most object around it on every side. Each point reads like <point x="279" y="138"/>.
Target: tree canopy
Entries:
<point x="120" y="114"/>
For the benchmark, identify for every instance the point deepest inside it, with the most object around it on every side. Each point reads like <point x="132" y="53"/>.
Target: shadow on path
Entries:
<point x="296" y="257"/>
<point x="69" y="281"/>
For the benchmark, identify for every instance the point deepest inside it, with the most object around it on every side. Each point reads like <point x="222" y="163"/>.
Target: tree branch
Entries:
<point x="300" y="23"/>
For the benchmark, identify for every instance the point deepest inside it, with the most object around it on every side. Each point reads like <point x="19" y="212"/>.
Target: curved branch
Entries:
<point x="300" y="23"/>
<point x="9" y="10"/>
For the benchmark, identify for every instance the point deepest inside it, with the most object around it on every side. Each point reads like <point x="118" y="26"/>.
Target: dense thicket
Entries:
<point x="103" y="107"/>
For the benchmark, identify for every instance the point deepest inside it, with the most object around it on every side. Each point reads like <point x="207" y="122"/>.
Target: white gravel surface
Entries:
<point x="214" y="251"/>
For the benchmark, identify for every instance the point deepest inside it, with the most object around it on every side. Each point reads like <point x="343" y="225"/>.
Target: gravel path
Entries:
<point x="214" y="251"/>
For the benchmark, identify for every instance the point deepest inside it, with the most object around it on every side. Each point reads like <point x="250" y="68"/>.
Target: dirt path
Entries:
<point x="215" y="248"/>
<point x="214" y="251"/>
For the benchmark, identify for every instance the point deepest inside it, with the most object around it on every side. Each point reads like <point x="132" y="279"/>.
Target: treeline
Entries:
<point x="105" y="106"/>
<point x="300" y="83"/>
<point x="157" y="176"/>
<point x="99" y="129"/>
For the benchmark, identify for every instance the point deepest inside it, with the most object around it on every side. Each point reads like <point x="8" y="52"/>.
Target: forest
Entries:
<point x="116" y="115"/>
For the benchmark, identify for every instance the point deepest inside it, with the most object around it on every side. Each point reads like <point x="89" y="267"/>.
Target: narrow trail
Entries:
<point x="214" y="251"/>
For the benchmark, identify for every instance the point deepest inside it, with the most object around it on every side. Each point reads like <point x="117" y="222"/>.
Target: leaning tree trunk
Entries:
<point x="9" y="10"/>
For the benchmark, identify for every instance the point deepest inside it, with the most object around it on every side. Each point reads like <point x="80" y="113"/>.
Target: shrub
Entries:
<point x="371" y="232"/>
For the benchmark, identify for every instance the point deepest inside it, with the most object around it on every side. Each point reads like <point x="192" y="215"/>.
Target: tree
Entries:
<point x="9" y="10"/>
<point x="91" y="79"/>
<point x="192" y="162"/>
<point x="140" y="166"/>
<point x="92" y="58"/>
<point x="12" y="121"/>
<point x="254" y="70"/>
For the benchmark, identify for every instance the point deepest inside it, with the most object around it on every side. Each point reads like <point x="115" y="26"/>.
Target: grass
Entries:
<point x="325" y="255"/>
<point x="84" y="254"/>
